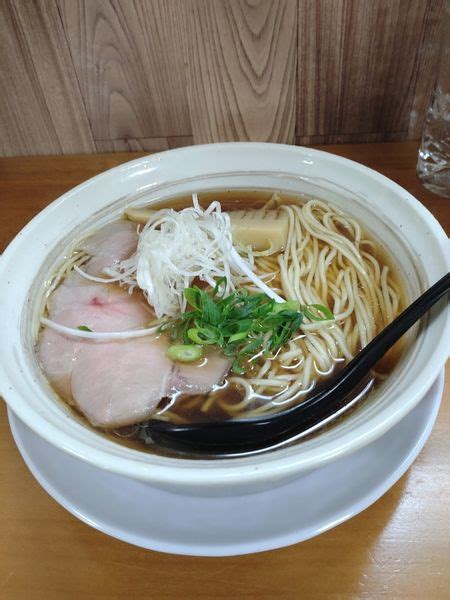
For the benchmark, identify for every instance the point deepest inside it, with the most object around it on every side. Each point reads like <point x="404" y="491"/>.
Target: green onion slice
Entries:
<point x="203" y="336"/>
<point x="185" y="353"/>
<point x="291" y="305"/>
<point x="317" y="312"/>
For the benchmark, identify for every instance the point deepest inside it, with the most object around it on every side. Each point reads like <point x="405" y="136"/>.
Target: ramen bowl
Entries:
<point x="405" y="229"/>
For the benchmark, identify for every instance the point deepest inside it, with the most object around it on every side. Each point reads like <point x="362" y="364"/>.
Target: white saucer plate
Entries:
<point x="160" y="520"/>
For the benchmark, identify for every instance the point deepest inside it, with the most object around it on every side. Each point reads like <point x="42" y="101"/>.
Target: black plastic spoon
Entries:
<point x="246" y="435"/>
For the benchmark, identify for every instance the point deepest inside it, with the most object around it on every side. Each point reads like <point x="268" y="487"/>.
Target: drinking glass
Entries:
<point x="433" y="165"/>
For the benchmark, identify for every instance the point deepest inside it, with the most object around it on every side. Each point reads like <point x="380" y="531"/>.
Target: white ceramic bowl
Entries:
<point x="407" y="229"/>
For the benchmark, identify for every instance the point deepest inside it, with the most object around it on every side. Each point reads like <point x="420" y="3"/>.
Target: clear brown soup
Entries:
<point x="188" y="408"/>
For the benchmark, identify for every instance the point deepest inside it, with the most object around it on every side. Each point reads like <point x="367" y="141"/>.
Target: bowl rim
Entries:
<point x="224" y="471"/>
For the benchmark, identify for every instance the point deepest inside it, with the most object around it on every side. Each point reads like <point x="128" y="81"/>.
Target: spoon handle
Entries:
<point x="371" y="354"/>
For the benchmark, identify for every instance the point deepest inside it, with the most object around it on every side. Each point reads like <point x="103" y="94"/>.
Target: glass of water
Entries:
<point x="433" y="166"/>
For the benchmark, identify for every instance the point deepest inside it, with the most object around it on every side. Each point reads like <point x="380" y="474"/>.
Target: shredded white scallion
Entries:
<point x="103" y="336"/>
<point x="175" y="247"/>
<point x="94" y="278"/>
<point x="242" y="266"/>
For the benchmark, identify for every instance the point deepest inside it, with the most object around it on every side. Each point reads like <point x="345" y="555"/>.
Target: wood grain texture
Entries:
<point x="241" y="69"/>
<point x="349" y="138"/>
<point x="130" y="65"/>
<point x="361" y="66"/>
<point x="398" y="548"/>
<point x="425" y="66"/>
<point x="41" y="107"/>
<point x="144" y="144"/>
<point x="86" y="76"/>
<point x="132" y="145"/>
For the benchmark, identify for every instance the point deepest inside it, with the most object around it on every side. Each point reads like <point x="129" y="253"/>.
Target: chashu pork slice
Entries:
<point x="121" y="383"/>
<point x="100" y="307"/>
<point x="110" y="245"/>
<point x="114" y="383"/>
<point x="202" y="377"/>
<point x="79" y="369"/>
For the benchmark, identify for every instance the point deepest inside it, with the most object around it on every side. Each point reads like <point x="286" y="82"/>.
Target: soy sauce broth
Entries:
<point x="203" y="408"/>
<point x="209" y="407"/>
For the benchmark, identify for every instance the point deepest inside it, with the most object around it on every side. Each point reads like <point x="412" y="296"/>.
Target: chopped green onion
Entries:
<point x="289" y="305"/>
<point x="202" y="335"/>
<point x="83" y="328"/>
<point x="237" y="368"/>
<point x="191" y="295"/>
<point x="237" y="336"/>
<point x="185" y="353"/>
<point x="244" y="326"/>
<point x="319" y="312"/>
<point x="219" y="281"/>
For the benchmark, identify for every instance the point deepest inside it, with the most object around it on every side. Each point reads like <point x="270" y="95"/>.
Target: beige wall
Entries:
<point x="86" y="76"/>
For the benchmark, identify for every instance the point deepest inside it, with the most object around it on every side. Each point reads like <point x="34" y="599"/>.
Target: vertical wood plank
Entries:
<point x="242" y="69"/>
<point x="132" y="145"/>
<point x="358" y="67"/>
<point x="41" y="108"/>
<point x="144" y="144"/>
<point x="105" y="75"/>
<point x="130" y="64"/>
<point x="425" y="66"/>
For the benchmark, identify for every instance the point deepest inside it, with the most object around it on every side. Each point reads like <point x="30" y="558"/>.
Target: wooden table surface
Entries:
<point x="397" y="548"/>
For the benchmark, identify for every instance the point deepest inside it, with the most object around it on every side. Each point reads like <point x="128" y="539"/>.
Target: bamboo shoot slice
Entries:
<point x="261" y="229"/>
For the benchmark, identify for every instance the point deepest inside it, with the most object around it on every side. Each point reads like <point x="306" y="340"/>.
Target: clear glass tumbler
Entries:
<point x="433" y="166"/>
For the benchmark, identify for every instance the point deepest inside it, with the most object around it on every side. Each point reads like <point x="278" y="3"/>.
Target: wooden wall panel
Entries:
<point x="425" y="65"/>
<point x="41" y="107"/>
<point x="241" y="69"/>
<point x="360" y="67"/>
<point x="83" y="76"/>
<point x="143" y="144"/>
<point x="130" y="65"/>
